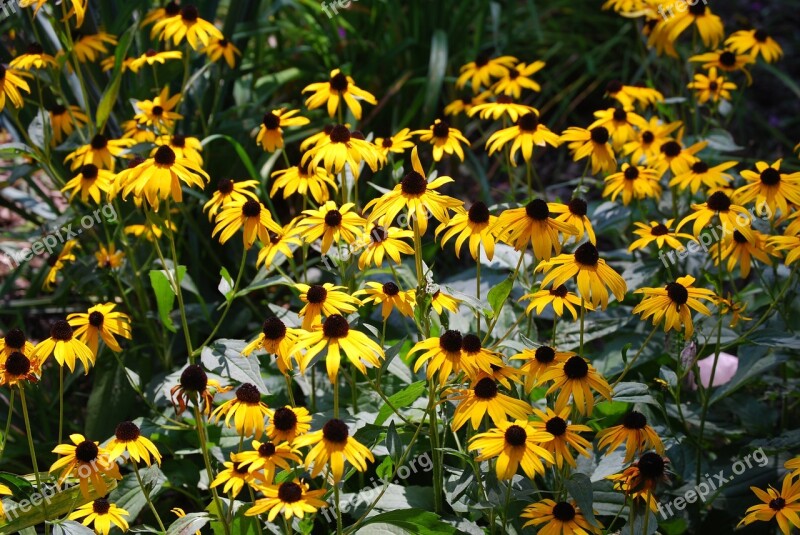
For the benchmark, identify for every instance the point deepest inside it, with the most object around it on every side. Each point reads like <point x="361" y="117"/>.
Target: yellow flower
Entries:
<point x="194" y="384"/>
<point x="158" y="112"/>
<point x="593" y="144"/>
<point x="532" y="224"/>
<point x="673" y="303"/>
<point x="396" y="144"/>
<point x="327" y="299"/>
<point x="333" y="445"/>
<point x="249" y="215"/>
<point x="640" y="480"/>
<point x="34" y="58"/>
<point x="480" y="72"/>
<point x="756" y="42"/>
<point x="65" y="347"/>
<point x="14" y="341"/>
<point x="659" y="233"/>
<point x="151" y="57"/>
<point x="17" y="367"/>
<point x="341" y="147"/>
<point x="574" y="213"/>
<point x="711" y="87"/>
<point x="101" y="321"/>
<point x="265" y="457"/>
<point x="783" y="506"/>
<point x="171" y="9"/>
<point x="647" y="144"/>
<point x="539" y="360"/>
<point x="138" y="133"/>
<point x="381" y="242"/>
<point x="148" y="232"/>
<point x="276" y="339"/>
<point x="709" y="26"/>
<point x="78" y="8"/>
<point x="90" y="182"/>
<point x="292" y="498"/>
<point x="634" y="432"/>
<point x="678" y="159"/>
<point x="64" y="120"/>
<point x="620" y="125"/>
<point x="331" y="224"/>
<point x="738" y="249"/>
<point x="634" y="183"/>
<point x="627" y="95"/>
<point x="452" y="353"/>
<point x="719" y="204"/>
<point x="103" y="514"/>
<point x="287" y="423"/>
<point x="303" y="180"/>
<point x="388" y="296"/>
<point x="565" y="435"/>
<point x="700" y="174"/>
<point x="445" y="140"/>
<point x="771" y="187"/>
<point x="502" y="105"/>
<point x="128" y="437"/>
<point x="270" y="134"/>
<point x="440" y="302"/>
<point x="100" y="151"/>
<point x="219" y="47"/>
<point x="246" y="409"/>
<point x="228" y="192"/>
<point x="787" y="243"/>
<point x="514" y="444"/>
<point x="724" y="60"/>
<point x="559" y="518"/>
<point x="518" y="78"/>
<point x="184" y="147"/>
<point x="559" y="297"/>
<point x="88" y="48"/>
<point x="197" y="31"/>
<point x="279" y="242"/>
<point x="527" y="133"/>
<point x="338" y="87"/>
<point x="87" y="461"/>
<point x="235" y="476"/>
<point x="160" y="177"/>
<point x="483" y="398"/>
<point x="575" y="377"/>
<point x="4" y="491"/>
<point x="464" y="105"/>
<point x="57" y="261"/>
<point x="475" y="224"/>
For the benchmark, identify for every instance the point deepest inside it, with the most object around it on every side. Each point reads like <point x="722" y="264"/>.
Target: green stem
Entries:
<point x="583" y="314"/>
<point x="338" y="509"/>
<point x="29" y="433"/>
<point x="201" y="434"/>
<point x="437" y="467"/>
<point x="60" y="403"/>
<point x="147" y="496"/>
<point x="336" y="397"/>
<point x="478" y="290"/>
<point x="636" y="356"/>
<point x="497" y="313"/>
<point x="8" y="422"/>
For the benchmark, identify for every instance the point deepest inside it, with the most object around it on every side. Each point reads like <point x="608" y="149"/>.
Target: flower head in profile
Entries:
<point x="593" y="144"/>
<point x="640" y="480"/>
<point x="100" y="152"/>
<point x="474" y="225"/>
<point x="270" y="133"/>
<point x="246" y="409"/>
<point x="737" y="249"/>
<point x="108" y="257"/>
<point x="559" y="518"/>
<point x="483" y="397"/>
<point x="65" y="346"/>
<point x="465" y="104"/>
<point x="187" y="25"/>
<point x="389" y="297"/>
<point x="634" y="432"/>
<point x="56" y="263"/>
<point x="576" y="377"/>
<point x="128" y="438"/>
<point x="700" y="174"/>
<point x="276" y="339"/>
<point x="444" y="138"/>
<point x="249" y="215"/>
<point x="756" y="42"/>
<point x="659" y="233"/>
<point x="303" y="180"/>
<point x="514" y="444"/>
<point x="629" y="95"/>
<point x="152" y="57"/>
<point x="90" y="182"/>
<point x="102" y="515"/>
<point x="234" y="476"/>
<point x="699" y="14"/>
<point x="481" y="71"/>
<point x="89" y="48"/>
<point x="279" y="242"/>
<point x="338" y="87"/>
<point x="501" y="106"/>
<point x="64" y="120"/>
<point x="565" y="435"/>
<point x="674" y="304"/>
<point x="524" y="136"/>
<point x="17" y="367"/>
<point x="574" y="213"/>
<point x="229" y="191"/>
<point x="78" y="8"/>
<point x="219" y="48"/>
<point x="396" y="144"/>
<point x="87" y="461"/>
<point x="34" y="57"/>
<point x="332" y="446"/>
<point x="101" y="322"/>
<point x="292" y="499"/>
<point x="195" y="385"/>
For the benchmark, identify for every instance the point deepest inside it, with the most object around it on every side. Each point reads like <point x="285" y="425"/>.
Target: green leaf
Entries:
<point x="410" y="520"/>
<point x="631" y="392"/>
<point x="224" y="357"/>
<point x="437" y="65"/>
<point x="165" y="294"/>
<point x="403" y="398"/>
<point x="15" y="149"/>
<point x="579" y="487"/>
<point x="225" y="286"/>
<point x="393" y="443"/>
<point x="128" y="495"/>
<point x="111" y="396"/>
<point x="109" y="97"/>
<point x="497" y="296"/>
<point x="70" y="527"/>
<point x="747" y="372"/>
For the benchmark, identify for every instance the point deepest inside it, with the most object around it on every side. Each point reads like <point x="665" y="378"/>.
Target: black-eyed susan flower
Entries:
<point x="303" y="180"/>
<point x="620" y="124"/>
<point x="87" y="461"/>
<point x="137" y="132"/>
<point x="659" y="233"/>
<point x="768" y="186"/>
<point x="719" y="204"/>
<point x="128" y="437"/>
<point x="184" y="147"/>
<point x="474" y="224"/>
<point x="65" y="347"/>
<point x="755" y="42"/>
<point x="383" y="242"/>
<point x="396" y="144"/>
<point x="338" y="87"/>
<point x="628" y="95"/>
<point x="482" y="398"/>
<point x="249" y="215"/>
<point x="189" y="25"/>
<point x="101" y="515"/>
<point x="266" y="457"/>
<point x="327" y="299"/>
<point x="218" y="48"/>
<point x="15" y="341"/>
<point x="793" y="465"/>
<point x="559" y="297"/>
<point x="639" y="481"/>
<point x="388" y="296"/>
<point x="290" y="498"/>
<point x="89" y="182"/>
<point x="647" y="144"/>
<point x="89" y="48"/>
<point x="532" y="224"/>
<point x="100" y="151"/>
<point x="539" y="360"/>
<point x="634" y="432"/>
<point x="576" y="377"/>
<point x="18" y="367"/>
<point x="633" y="182"/>
<point x="316" y="139"/>
<point x="279" y="242"/>
<point x="465" y="104"/>
<point x="711" y="87"/>
<point x="158" y="112"/>
<point x="478" y="361"/>
<point x="152" y="57"/>
<point x="513" y="444"/>
<point x="724" y="60"/>
<point x="341" y="147"/>
<point x="109" y="63"/>
<point x="246" y="409"/>
<point x="287" y="423"/>
<point x="170" y="9"/>
<point x="444" y="139"/>
<point x="276" y="339"/>
<point x="787" y="243"/>
<point x="678" y="159"/>
<point x="234" y="477"/>
<point x="441" y="301"/>
<point x="229" y="191"/>
<point x="417" y="195"/>
<point x="64" y="120"/>
<point x="701" y="174"/>
<point x="591" y="144"/>
<point x="101" y="322"/>
<point x="335" y="336"/>
<point x="502" y="105"/>
<point x="270" y="133"/>
<point x="444" y="356"/>
<point x="481" y="71"/>
<point x="674" y="303"/>
<point x="524" y="136"/>
<point x="574" y="213"/>
<point x="565" y="435"/>
<point x="708" y="25"/>
<point x="333" y="445"/>
<point x="34" y="58"/>
<point x="783" y="506"/>
<point x="159" y="178"/>
<point x="57" y="263"/>
<point x="505" y="374"/>
<point x="149" y="231"/>
<point x="519" y="78"/>
<point x="194" y="385"/>
<point x="734" y="308"/>
<point x="559" y="518"/>
<point x="738" y="250"/>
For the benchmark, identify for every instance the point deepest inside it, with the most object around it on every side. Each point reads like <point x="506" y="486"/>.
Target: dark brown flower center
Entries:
<point x="58" y="109"/>
<point x="719" y="202"/>
<point x="158" y="111"/>
<point x="273" y="329"/>
<point x="700" y="167"/>
<point x="631" y="172"/>
<point x="516" y="435"/>
<point x="671" y="149"/>
<point x="471" y="343"/>
<point x="267" y="449"/>
<point x="225" y="186"/>
<point x="777" y="504"/>
<point x="563" y="511"/>
<point x="391" y="289"/>
<point x="587" y="254"/>
<point x="101" y="506"/>
<point x="634" y="420"/>
<point x="528" y="122"/>
<point x="504" y="99"/>
<point x="61" y="330"/>
<point x="545" y="354"/>
<point x="165" y="156"/>
<point x="194" y="379"/>
<point x="271" y="121"/>
<point x="340" y="134"/>
<point x="316" y="294"/>
<point x="513" y="74"/>
<point x="770" y="176"/>
<point x="335" y="326"/>
<point x="15" y="339"/>
<point x="537" y="210"/>
<point x="561" y="291"/>
<point x="290" y="492"/>
<point x="248" y="394"/>
<point x="677" y="293"/>
<point x="578" y="207"/>
<point x="284" y="419"/>
<point x="738" y="237"/>
<point x="99" y="142"/>
<point x="620" y="115"/>
<point x="482" y="59"/>
<point x="89" y="172"/>
<point x="135" y="162"/>
<point x="556" y="426"/>
<point x="761" y="36"/>
<point x="223" y="43"/>
<point x="441" y="129"/>
<point x="386" y="143"/>
<point x="576" y="368"/>
<point x="251" y="208"/>
<point x="333" y="218"/>
<point x="651" y="466"/>
<point x="339" y="82"/>
<point x="358" y="134"/>
<point x="614" y="86"/>
<point x="86" y="451"/>
<point x="18" y="364"/>
<point x="599" y="135"/>
<point x="178" y="140"/>
<point x="698" y="8"/>
<point x="659" y="230"/>
<point x="713" y="86"/>
<point x="478" y="213"/>
<point x="335" y="431"/>
<point x="648" y="137"/>
<point x="451" y="341"/>
<point x="727" y="59"/>
<point x="127" y="432"/>
<point x="35" y="49"/>
<point x="378" y="234"/>
<point x="190" y="14"/>
<point x="150" y="53"/>
<point x="413" y="184"/>
<point x="486" y="388"/>
<point x="96" y="319"/>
